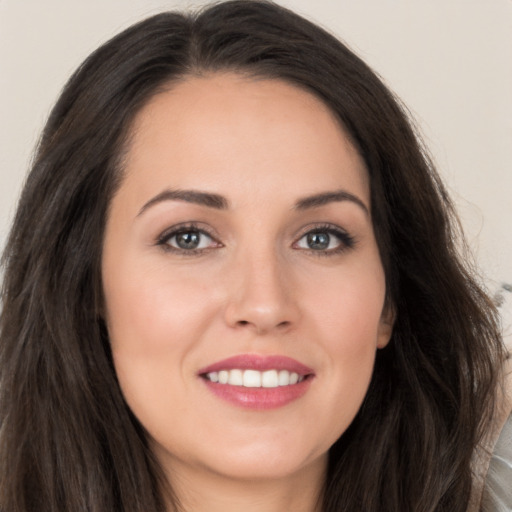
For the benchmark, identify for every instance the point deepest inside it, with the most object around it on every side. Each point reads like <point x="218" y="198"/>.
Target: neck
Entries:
<point x="203" y="491"/>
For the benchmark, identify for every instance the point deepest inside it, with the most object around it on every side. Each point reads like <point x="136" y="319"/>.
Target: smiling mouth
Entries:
<point x="258" y="382"/>
<point x="254" y="378"/>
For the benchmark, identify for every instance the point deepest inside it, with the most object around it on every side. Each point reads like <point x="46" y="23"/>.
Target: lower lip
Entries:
<point x="259" y="398"/>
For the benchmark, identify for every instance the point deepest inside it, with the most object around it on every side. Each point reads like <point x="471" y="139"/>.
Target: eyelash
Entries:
<point x="346" y="241"/>
<point x="166" y="236"/>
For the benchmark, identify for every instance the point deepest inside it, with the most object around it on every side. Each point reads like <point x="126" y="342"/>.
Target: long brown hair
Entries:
<point x="68" y="440"/>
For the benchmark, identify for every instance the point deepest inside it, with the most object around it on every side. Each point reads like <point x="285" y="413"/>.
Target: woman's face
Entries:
<point x="243" y="286"/>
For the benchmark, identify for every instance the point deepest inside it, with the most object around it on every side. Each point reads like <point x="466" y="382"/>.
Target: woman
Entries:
<point x="232" y="283"/>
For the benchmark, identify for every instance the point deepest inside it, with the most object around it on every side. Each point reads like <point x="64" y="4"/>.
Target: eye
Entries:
<point x="187" y="239"/>
<point x="325" y="239"/>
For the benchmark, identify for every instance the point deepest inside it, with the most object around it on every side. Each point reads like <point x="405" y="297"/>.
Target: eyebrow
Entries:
<point x="324" y="198"/>
<point x="189" y="196"/>
<point x="219" y="202"/>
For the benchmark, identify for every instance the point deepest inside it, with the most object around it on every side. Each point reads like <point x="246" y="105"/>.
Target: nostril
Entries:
<point x="281" y="325"/>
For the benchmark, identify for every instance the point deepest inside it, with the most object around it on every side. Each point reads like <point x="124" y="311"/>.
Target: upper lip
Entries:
<point x="258" y="362"/>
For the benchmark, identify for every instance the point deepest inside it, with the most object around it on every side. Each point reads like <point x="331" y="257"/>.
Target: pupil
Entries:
<point x="318" y="240"/>
<point x="188" y="240"/>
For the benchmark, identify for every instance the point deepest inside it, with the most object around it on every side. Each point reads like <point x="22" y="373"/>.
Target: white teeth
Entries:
<point x="252" y="379"/>
<point x="284" y="378"/>
<point x="236" y="378"/>
<point x="255" y="378"/>
<point x="269" y="379"/>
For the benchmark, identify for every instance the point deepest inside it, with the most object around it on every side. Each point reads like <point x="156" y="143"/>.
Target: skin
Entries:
<point x="256" y="286"/>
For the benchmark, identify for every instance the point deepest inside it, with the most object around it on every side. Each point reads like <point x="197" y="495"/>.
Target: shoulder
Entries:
<point x="492" y="487"/>
<point x="497" y="492"/>
<point x="496" y="484"/>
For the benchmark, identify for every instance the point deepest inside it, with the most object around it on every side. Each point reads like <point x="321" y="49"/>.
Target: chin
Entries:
<point x="278" y="457"/>
<point x="270" y="467"/>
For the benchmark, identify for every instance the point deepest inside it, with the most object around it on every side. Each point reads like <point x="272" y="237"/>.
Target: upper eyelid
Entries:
<point x="322" y="226"/>
<point x="201" y="227"/>
<point x="164" y="240"/>
<point x="347" y="240"/>
<point x="184" y="227"/>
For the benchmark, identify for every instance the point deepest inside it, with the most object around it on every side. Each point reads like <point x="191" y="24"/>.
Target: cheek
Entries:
<point x="153" y="307"/>
<point x="347" y="309"/>
<point x="347" y="319"/>
<point x="154" y="318"/>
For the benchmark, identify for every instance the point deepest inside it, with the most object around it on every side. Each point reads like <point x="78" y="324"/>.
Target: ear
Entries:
<point x="387" y="321"/>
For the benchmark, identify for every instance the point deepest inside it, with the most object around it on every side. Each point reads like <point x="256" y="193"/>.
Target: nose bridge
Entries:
<point x="262" y="289"/>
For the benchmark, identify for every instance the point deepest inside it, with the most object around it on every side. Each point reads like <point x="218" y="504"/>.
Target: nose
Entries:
<point x="262" y="295"/>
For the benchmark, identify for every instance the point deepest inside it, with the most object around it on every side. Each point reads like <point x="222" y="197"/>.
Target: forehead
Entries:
<point x="230" y="130"/>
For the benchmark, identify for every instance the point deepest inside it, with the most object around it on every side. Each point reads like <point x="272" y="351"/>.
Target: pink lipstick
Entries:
<point x="258" y="382"/>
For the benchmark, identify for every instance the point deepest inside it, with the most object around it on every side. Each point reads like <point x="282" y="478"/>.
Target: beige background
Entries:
<point x="449" y="60"/>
